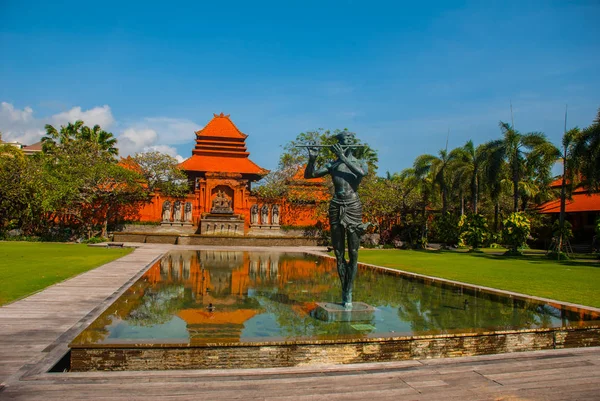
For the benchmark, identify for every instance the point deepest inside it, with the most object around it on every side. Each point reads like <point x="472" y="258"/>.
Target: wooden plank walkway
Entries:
<point x="35" y="331"/>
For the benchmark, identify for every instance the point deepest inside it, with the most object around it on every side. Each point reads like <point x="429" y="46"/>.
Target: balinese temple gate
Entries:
<point x="221" y="174"/>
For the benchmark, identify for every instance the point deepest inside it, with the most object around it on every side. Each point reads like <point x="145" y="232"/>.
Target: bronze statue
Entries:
<point x="345" y="209"/>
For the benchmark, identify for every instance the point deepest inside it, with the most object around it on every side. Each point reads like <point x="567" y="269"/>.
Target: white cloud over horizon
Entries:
<point x="147" y="134"/>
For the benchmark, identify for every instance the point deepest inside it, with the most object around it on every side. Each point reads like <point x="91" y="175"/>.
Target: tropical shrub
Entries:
<point x="515" y="231"/>
<point x="474" y="230"/>
<point x="446" y="228"/>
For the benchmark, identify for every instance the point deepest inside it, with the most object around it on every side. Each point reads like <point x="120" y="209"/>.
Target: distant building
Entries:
<point x="30" y="150"/>
<point x="581" y="211"/>
<point x="27" y="149"/>
<point x="221" y="175"/>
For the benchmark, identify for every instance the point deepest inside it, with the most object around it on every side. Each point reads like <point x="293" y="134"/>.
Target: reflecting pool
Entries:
<point x="207" y="297"/>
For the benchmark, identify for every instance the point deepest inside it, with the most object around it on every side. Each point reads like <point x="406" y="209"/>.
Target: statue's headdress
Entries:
<point x="339" y="135"/>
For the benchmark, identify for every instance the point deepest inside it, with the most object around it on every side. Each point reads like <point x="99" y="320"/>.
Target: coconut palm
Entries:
<point x="77" y="131"/>
<point x="437" y="168"/>
<point x="67" y="134"/>
<point x="479" y="165"/>
<point x="569" y="142"/>
<point x="105" y="140"/>
<point x="530" y="152"/>
<point x="587" y="155"/>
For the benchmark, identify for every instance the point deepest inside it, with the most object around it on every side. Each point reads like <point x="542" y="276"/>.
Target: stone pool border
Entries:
<point x="303" y="353"/>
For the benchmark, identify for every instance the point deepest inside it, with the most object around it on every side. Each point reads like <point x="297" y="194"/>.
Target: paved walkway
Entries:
<point x="35" y="331"/>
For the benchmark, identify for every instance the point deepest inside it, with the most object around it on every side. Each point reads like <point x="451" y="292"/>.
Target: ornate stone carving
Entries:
<point x="221" y="203"/>
<point x="177" y="211"/>
<point x="166" y="211"/>
<point x="254" y="214"/>
<point x="188" y="212"/>
<point x="264" y="214"/>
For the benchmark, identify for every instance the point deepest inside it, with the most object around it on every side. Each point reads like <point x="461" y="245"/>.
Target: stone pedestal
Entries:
<point x="176" y="224"/>
<point x="221" y="224"/>
<point x="332" y="312"/>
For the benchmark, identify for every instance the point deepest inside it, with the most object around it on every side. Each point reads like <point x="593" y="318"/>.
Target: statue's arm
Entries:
<point x="358" y="167"/>
<point x="311" y="172"/>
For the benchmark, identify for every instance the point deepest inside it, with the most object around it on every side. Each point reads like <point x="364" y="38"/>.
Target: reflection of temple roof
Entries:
<point x="221" y="147"/>
<point x="198" y="316"/>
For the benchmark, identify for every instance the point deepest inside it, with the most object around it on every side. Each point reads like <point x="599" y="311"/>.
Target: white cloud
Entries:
<point x="169" y="150"/>
<point x="19" y="125"/>
<point x="173" y="130"/>
<point x="147" y="134"/>
<point x="22" y="126"/>
<point x="134" y="140"/>
<point x="156" y="134"/>
<point x="101" y="116"/>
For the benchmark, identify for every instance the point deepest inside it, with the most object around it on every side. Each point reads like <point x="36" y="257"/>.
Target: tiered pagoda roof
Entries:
<point x="221" y="147"/>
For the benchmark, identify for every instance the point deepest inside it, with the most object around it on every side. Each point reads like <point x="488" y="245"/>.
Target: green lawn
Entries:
<point x="27" y="267"/>
<point x="577" y="282"/>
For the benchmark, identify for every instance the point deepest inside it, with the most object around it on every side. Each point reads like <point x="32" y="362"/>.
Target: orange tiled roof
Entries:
<point x="221" y="127"/>
<point x="222" y="164"/>
<point x="130" y="164"/>
<point x="298" y="177"/>
<point x="579" y="203"/>
<point x="221" y="147"/>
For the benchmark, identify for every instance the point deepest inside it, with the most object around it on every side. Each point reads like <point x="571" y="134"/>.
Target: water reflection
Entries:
<point x="200" y="297"/>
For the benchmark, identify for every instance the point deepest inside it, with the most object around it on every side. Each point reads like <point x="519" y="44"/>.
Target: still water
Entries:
<point x="201" y="297"/>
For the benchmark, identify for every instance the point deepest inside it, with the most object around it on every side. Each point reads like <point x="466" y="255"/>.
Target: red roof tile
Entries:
<point x="579" y="203"/>
<point x="222" y="164"/>
<point x="298" y="177"/>
<point x="221" y="127"/>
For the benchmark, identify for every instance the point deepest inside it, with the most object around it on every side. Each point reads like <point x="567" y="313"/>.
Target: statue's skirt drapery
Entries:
<point x="347" y="213"/>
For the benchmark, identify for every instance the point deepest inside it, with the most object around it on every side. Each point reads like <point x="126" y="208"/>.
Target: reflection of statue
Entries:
<point x="345" y="209"/>
<point x="177" y="211"/>
<point x="188" y="212"/>
<point x="254" y="214"/>
<point x="166" y="211"/>
<point x="264" y="214"/>
<point x="275" y="215"/>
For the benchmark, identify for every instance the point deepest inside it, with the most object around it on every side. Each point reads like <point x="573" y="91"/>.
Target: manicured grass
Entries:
<point x="571" y="281"/>
<point x="27" y="267"/>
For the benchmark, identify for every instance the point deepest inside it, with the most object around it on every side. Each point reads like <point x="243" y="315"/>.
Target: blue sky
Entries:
<point x="399" y="74"/>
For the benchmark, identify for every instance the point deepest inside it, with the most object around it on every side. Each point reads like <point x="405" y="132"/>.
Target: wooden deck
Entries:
<point x="35" y="331"/>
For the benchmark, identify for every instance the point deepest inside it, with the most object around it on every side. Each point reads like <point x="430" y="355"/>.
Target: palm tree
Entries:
<point x="437" y="168"/>
<point x="587" y="155"/>
<point x="479" y="165"/>
<point x="520" y="151"/>
<point x="105" y="140"/>
<point x="416" y="190"/>
<point x="569" y="142"/>
<point x="67" y="134"/>
<point x="78" y="132"/>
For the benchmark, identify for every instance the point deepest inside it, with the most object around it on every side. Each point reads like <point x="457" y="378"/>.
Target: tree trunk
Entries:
<point x="444" y="200"/>
<point x="516" y="184"/>
<point x="563" y="201"/>
<point x="474" y="194"/>
<point x="496" y="213"/>
<point x="104" y="233"/>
